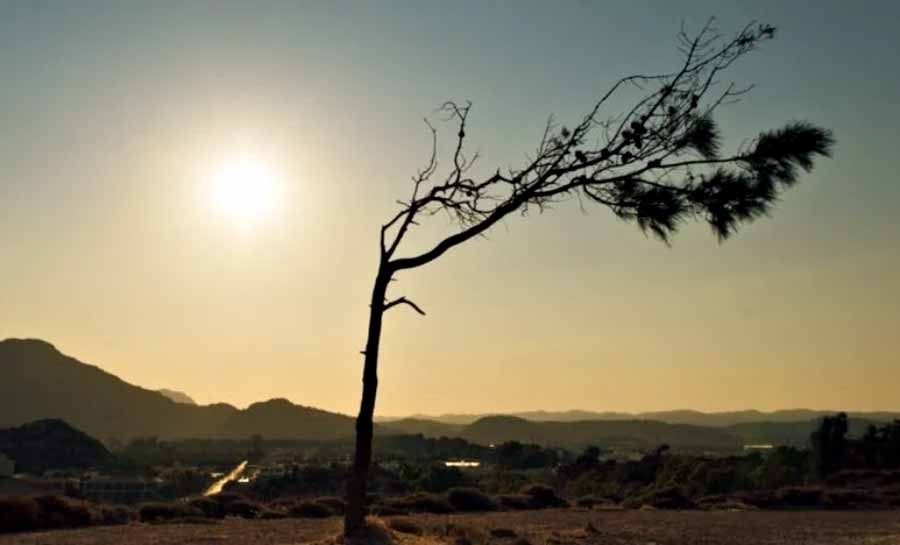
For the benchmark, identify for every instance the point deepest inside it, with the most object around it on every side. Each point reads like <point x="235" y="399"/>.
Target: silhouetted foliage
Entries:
<point x="440" y="478"/>
<point x="829" y="444"/>
<point x="470" y="499"/>
<point x="162" y="511"/>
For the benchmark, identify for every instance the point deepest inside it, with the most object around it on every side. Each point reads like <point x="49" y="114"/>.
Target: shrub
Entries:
<point x="503" y="533"/>
<point x="271" y="514"/>
<point x="18" y="514"/>
<point x="159" y="511"/>
<point x="337" y="505"/>
<point x="589" y="502"/>
<point x="721" y="502"/>
<point x="246" y="509"/>
<point x="113" y="515"/>
<point x="60" y="512"/>
<point x="543" y="496"/>
<point x="209" y="507"/>
<point x="799" y="496"/>
<point x="387" y="510"/>
<point x="421" y="503"/>
<point x="225" y="498"/>
<point x="440" y="478"/>
<point x="470" y="499"/>
<point x="466" y="535"/>
<point x="845" y="499"/>
<point x="760" y="499"/>
<point x="665" y="498"/>
<point x="516" y="502"/>
<point x="405" y="526"/>
<point x="311" y="509"/>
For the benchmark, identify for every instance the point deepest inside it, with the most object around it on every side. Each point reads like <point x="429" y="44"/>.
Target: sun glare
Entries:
<point x="245" y="190"/>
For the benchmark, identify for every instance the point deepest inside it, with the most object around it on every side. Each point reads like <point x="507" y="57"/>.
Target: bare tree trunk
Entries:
<point x="354" y="518"/>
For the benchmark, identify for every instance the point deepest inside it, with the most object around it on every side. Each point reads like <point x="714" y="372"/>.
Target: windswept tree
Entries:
<point x="658" y="163"/>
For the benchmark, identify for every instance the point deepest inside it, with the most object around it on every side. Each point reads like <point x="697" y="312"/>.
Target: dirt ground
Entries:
<point x="552" y="527"/>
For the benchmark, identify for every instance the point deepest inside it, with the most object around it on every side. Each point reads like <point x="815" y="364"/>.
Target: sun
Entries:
<point x="245" y="189"/>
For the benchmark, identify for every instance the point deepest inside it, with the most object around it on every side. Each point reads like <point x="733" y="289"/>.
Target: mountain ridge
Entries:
<point x="42" y="383"/>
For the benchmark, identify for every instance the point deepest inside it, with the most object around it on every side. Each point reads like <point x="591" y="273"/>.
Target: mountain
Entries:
<point x="634" y="434"/>
<point x="685" y="416"/>
<point x="281" y="419"/>
<point x="39" y="382"/>
<point x="45" y="444"/>
<point x="417" y="426"/>
<point x="794" y="434"/>
<point x="177" y="397"/>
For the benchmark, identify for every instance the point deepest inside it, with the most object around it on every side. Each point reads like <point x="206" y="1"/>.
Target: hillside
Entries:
<point x="636" y="434"/>
<point x="428" y="428"/>
<point x="684" y="416"/>
<point x="46" y="444"/>
<point x="281" y="419"/>
<point x="177" y="397"/>
<point x="40" y="382"/>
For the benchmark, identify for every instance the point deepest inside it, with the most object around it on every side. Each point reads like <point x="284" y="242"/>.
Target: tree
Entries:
<point x="257" y="449"/>
<point x="658" y="164"/>
<point x="829" y="444"/>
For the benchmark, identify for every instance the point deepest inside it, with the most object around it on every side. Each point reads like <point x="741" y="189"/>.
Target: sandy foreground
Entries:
<point x="551" y="527"/>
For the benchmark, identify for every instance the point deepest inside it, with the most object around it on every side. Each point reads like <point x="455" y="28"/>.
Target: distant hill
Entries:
<point x="685" y="416"/>
<point x="46" y="444"/>
<point x="794" y="434"/>
<point x="636" y="434"/>
<point x="177" y="397"/>
<point x="39" y="382"/>
<point x="416" y="426"/>
<point x="281" y="419"/>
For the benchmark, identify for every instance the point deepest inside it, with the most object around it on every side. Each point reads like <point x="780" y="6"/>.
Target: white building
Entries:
<point x="7" y="466"/>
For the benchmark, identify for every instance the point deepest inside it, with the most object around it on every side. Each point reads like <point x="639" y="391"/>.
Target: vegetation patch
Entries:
<point x="404" y="525"/>
<point x="311" y="509"/>
<point x="167" y="511"/>
<point x="471" y="499"/>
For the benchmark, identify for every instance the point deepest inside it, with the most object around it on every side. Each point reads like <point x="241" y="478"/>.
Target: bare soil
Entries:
<point x="551" y="527"/>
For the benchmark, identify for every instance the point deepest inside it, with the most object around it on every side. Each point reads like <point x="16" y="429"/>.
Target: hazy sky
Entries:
<point x="113" y="115"/>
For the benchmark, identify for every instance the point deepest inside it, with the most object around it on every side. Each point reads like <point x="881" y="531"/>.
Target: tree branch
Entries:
<point x="403" y="301"/>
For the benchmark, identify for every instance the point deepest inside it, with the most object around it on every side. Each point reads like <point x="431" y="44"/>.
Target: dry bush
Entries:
<point x="853" y="499"/>
<point x="163" y="512"/>
<point x="244" y="508"/>
<point x="225" y="498"/>
<point x="337" y="505"/>
<point x="503" y="533"/>
<point x="665" y="498"/>
<point x="420" y="503"/>
<point x="311" y="509"/>
<point x="543" y="496"/>
<point x="461" y="534"/>
<point x="113" y="515"/>
<point x="18" y="514"/>
<point x="61" y="512"/>
<point x="271" y="514"/>
<point x="471" y="499"/>
<point x="209" y="507"/>
<point x="404" y="525"/>
<point x="800" y="496"/>
<point x="515" y="502"/>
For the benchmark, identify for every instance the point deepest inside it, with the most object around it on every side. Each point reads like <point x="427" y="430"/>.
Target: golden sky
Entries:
<point x="115" y="119"/>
